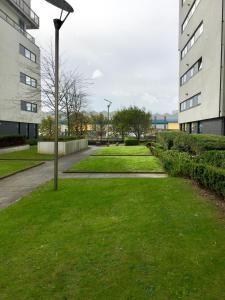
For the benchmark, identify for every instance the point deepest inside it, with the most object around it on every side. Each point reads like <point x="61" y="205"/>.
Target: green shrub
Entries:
<point x="210" y="177"/>
<point x="183" y="143"/>
<point x="182" y="164"/>
<point x="214" y="158"/>
<point x="176" y="163"/>
<point x="12" y="140"/>
<point x="32" y="142"/>
<point x="198" y="143"/>
<point x="192" y="143"/>
<point x="131" y="142"/>
<point x="166" y="138"/>
<point x="61" y="139"/>
<point x="207" y="142"/>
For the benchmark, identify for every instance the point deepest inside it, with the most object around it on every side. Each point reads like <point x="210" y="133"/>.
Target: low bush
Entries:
<point x="192" y="143"/>
<point x="32" y="142"/>
<point x="166" y="138"/>
<point x="198" y="143"/>
<point x="183" y="164"/>
<point x="214" y="158"/>
<point x="131" y="142"/>
<point x="104" y="142"/>
<point x="13" y="140"/>
<point x="61" y="139"/>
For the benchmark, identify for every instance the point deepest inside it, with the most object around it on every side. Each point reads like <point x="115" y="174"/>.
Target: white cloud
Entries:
<point x="97" y="74"/>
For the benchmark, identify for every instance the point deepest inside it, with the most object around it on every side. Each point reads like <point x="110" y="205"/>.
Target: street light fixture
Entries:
<point x="108" y="105"/>
<point x="64" y="6"/>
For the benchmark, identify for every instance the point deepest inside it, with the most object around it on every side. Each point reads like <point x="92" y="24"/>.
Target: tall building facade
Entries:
<point x="20" y="95"/>
<point x="201" y="45"/>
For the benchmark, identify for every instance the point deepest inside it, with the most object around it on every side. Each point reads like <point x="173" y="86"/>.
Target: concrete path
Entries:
<point x="16" y="186"/>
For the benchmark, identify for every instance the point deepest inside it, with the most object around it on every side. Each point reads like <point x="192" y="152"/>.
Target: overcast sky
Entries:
<point x="128" y="47"/>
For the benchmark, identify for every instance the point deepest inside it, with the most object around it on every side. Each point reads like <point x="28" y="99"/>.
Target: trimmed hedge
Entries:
<point x="191" y="143"/>
<point x="166" y="138"/>
<point x="213" y="158"/>
<point x="13" y="140"/>
<point x="182" y="164"/>
<point x="61" y="138"/>
<point x="131" y="142"/>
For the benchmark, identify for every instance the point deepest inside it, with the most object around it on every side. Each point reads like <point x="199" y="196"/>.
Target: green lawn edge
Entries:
<point x="18" y="169"/>
<point x="118" y="164"/>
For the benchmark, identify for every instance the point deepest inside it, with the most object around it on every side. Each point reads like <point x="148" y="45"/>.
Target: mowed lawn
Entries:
<point x="114" y="164"/>
<point x="9" y="167"/>
<point x="123" y="150"/>
<point x="30" y="154"/>
<point x="113" y="239"/>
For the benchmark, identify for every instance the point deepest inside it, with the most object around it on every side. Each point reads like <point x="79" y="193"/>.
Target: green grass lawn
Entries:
<point x="118" y="164"/>
<point x="30" y="154"/>
<point x="123" y="150"/>
<point x="113" y="239"/>
<point x="9" y="167"/>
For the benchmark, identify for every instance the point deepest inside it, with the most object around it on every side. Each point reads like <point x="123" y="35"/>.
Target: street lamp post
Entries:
<point x="64" y="6"/>
<point x="108" y="106"/>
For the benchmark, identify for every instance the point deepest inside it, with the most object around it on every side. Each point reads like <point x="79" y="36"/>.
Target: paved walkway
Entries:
<point x="14" y="187"/>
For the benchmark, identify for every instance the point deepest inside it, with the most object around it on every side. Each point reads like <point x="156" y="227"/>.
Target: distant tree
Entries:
<point x="132" y="120"/>
<point x="99" y="122"/>
<point x="139" y="121"/>
<point x="120" y="123"/>
<point x="78" y="123"/>
<point x="75" y="99"/>
<point x="47" y="127"/>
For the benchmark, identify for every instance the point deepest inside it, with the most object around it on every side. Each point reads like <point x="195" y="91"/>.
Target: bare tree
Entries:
<point x="73" y="87"/>
<point x="75" y="99"/>
<point x="48" y="82"/>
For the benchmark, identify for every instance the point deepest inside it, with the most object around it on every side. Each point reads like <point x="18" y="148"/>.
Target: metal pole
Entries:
<point x="58" y="24"/>
<point x="108" y="126"/>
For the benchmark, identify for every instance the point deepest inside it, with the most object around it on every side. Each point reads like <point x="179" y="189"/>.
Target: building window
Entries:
<point x="192" y="40"/>
<point x="28" y="54"/>
<point x="190" y="14"/>
<point x="190" y="103"/>
<point x="191" y="72"/>
<point x="28" y="80"/>
<point x="200" y="127"/>
<point x="28" y="106"/>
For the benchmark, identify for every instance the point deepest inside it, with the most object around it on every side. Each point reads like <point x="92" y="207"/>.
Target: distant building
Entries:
<point x="202" y="55"/>
<point x="167" y="122"/>
<point x="20" y="96"/>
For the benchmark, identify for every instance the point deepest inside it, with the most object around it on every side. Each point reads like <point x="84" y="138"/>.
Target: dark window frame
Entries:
<point x="181" y="58"/>
<point x="189" y="99"/>
<point x="182" y="26"/>
<point x="25" y="76"/>
<point x="22" y="50"/>
<point x="32" y="105"/>
<point x="199" y="64"/>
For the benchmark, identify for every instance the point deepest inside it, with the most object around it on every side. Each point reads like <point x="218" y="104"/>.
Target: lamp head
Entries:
<point x="62" y="4"/>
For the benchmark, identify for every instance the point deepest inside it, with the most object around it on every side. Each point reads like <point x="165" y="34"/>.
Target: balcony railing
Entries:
<point x="22" y="5"/>
<point x="11" y="22"/>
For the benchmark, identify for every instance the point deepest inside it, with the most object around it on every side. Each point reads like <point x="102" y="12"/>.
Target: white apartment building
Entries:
<point x="201" y="45"/>
<point x="20" y="95"/>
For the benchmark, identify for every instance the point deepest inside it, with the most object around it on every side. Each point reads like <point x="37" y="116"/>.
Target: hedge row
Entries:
<point x="131" y="142"/>
<point x="213" y="158"/>
<point x="182" y="164"/>
<point x="14" y="140"/>
<point x="191" y="143"/>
